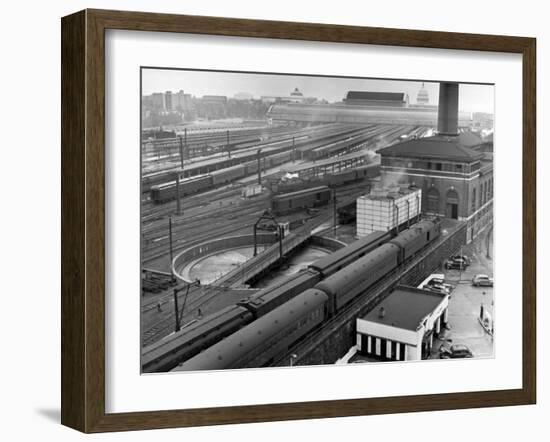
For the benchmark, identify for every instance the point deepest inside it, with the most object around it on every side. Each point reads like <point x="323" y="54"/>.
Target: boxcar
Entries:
<point x="225" y="176"/>
<point x="288" y="202"/>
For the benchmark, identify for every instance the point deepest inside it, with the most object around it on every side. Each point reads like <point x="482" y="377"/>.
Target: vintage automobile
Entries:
<point x="455" y="351"/>
<point x="482" y="280"/>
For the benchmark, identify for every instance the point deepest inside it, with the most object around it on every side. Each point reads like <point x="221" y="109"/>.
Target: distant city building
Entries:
<point x="214" y="99"/>
<point x="385" y="209"/>
<point x="295" y="97"/>
<point x="243" y="96"/>
<point x="367" y="98"/>
<point x="158" y="101"/>
<point x="456" y="178"/>
<point x="403" y="325"/>
<point x="168" y="101"/>
<point x="422" y="98"/>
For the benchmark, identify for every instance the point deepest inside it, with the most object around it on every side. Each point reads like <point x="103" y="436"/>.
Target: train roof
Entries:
<point x="356" y="270"/>
<point x="413" y="231"/>
<point x="301" y="192"/>
<point x="226" y="353"/>
<point x="283" y="286"/>
<point x="173" y="342"/>
<point x="339" y="254"/>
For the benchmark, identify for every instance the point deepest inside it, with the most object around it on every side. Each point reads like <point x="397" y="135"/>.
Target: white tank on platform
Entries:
<point x="387" y="207"/>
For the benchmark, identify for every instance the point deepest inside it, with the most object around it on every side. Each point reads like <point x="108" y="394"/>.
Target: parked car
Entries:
<point x="456" y="263"/>
<point x="437" y="288"/>
<point x="482" y="280"/>
<point x="455" y="351"/>
<point x="438" y="282"/>
<point x="464" y="258"/>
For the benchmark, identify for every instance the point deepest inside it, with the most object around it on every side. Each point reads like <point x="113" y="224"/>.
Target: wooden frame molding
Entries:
<point x="83" y="219"/>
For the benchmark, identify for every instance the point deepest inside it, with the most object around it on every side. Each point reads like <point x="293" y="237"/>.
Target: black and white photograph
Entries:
<point x="304" y="220"/>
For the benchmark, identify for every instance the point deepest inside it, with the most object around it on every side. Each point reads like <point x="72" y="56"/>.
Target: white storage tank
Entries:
<point x="387" y="207"/>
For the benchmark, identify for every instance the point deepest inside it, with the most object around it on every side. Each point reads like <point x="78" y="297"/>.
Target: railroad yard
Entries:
<point x="273" y="239"/>
<point x="221" y="211"/>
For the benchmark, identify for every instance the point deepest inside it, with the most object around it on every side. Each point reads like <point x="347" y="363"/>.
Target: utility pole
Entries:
<point x="178" y="204"/>
<point x="176" y="310"/>
<point x="228" y="149"/>
<point x="185" y="142"/>
<point x="181" y="151"/>
<point x="334" y="210"/>
<point x="259" y="167"/>
<point x="171" y="247"/>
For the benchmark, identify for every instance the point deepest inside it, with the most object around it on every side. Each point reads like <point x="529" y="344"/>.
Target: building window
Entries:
<point x="432" y="200"/>
<point x="451" y="208"/>
<point x="437" y="166"/>
<point x="474" y="200"/>
<point x="458" y="167"/>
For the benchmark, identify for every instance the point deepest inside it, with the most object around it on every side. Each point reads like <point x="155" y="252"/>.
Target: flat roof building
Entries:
<point x="402" y="326"/>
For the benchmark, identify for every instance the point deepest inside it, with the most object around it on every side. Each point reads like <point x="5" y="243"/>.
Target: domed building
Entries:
<point x="423" y="98"/>
<point x="296" y="93"/>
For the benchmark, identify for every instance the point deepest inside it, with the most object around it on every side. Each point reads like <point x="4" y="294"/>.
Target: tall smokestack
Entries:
<point x="447" y="114"/>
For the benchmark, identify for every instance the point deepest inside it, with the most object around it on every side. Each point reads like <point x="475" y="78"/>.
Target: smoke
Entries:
<point x="394" y="178"/>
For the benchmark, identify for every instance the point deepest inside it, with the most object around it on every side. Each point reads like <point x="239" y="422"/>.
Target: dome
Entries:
<point x="422" y="97"/>
<point x="296" y="92"/>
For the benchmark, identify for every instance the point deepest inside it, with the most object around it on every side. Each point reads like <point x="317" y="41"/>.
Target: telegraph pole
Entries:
<point x="171" y="246"/>
<point x="228" y="149"/>
<point x="181" y="151"/>
<point x="178" y="204"/>
<point x="334" y="210"/>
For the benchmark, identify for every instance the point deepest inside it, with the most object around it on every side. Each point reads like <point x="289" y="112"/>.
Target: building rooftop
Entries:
<point x="406" y="307"/>
<point x="389" y="193"/>
<point x="398" y="97"/>
<point x="444" y="147"/>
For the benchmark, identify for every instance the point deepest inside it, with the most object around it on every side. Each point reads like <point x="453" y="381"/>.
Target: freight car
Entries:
<point x="268" y="338"/>
<point x="303" y="199"/>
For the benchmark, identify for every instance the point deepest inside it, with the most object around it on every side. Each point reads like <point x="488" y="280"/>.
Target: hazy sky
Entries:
<point x="472" y="98"/>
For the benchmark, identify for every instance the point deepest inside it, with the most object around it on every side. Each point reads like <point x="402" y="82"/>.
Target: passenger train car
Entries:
<point x="270" y="336"/>
<point x="163" y="355"/>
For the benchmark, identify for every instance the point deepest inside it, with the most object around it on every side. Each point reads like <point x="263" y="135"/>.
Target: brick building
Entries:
<point x="456" y="178"/>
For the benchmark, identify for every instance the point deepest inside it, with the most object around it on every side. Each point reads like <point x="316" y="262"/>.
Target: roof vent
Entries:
<point x="381" y="312"/>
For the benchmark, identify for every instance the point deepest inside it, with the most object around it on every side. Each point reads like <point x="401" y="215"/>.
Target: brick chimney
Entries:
<point x="447" y="114"/>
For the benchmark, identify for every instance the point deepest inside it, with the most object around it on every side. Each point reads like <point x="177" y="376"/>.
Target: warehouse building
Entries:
<point x="403" y="325"/>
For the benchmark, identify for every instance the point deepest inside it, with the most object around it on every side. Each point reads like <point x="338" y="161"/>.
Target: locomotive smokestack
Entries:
<point x="447" y="114"/>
